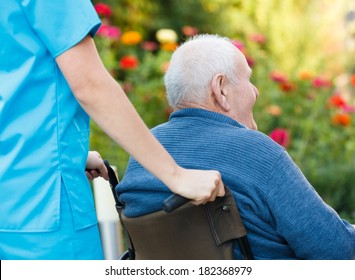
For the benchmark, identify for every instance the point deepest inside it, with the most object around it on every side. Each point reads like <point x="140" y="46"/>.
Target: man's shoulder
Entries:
<point x="223" y="134"/>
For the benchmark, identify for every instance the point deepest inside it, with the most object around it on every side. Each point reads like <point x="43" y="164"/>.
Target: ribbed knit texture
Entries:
<point x="284" y="217"/>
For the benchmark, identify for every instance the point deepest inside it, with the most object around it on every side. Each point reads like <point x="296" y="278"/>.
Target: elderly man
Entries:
<point x="212" y="127"/>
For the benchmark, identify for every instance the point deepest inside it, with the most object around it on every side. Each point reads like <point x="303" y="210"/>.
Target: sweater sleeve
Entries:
<point x="311" y="227"/>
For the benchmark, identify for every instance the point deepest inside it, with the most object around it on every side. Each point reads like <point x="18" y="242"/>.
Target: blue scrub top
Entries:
<point x="44" y="133"/>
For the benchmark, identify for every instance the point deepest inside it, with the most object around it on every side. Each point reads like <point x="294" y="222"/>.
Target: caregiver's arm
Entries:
<point x="106" y="103"/>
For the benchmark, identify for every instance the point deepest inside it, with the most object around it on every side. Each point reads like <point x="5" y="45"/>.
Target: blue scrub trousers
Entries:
<point x="63" y="244"/>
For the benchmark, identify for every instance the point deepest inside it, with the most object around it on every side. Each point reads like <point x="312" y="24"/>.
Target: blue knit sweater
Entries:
<point x="284" y="216"/>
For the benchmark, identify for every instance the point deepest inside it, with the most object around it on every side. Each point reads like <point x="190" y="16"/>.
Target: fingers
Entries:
<point x="88" y="175"/>
<point x="217" y="190"/>
<point x="201" y="186"/>
<point x="103" y="171"/>
<point x="221" y="189"/>
<point x="95" y="166"/>
<point x="92" y="174"/>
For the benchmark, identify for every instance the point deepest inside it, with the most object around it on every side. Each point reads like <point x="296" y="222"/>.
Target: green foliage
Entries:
<point x="286" y="38"/>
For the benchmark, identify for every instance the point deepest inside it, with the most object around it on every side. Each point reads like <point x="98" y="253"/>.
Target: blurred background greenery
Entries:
<point x="303" y="58"/>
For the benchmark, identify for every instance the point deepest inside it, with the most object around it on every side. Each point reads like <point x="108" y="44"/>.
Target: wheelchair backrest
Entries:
<point x="188" y="233"/>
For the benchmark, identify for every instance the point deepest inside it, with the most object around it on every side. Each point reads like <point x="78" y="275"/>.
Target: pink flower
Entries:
<point x="189" y="30"/>
<point x="278" y="77"/>
<point x="109" y="31"/>
<point x="149" y="46"/>
<point x="348" y="108"/>
<point x="280" y="136"/>
<point x="103" y="9"/>
<point x="250" y="61"/>
<point x="239" y="45"/>
<point x="320" y="82"/>
<point x="258" y="38"/>
<point x="127" y="87"/>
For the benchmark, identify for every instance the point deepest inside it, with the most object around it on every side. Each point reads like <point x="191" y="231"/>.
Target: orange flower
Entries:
<point x="168" y="46"/>
<point x="131" y="38"/>
<point x="165" y="66"/>
<point x="305" y="75"/>
<point x="341" y="119"/>
<point x="353" y="80"/>
<point x="274" y="110"/>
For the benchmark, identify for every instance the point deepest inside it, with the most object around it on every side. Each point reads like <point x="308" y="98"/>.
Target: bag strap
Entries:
<point x="119" y="207"/>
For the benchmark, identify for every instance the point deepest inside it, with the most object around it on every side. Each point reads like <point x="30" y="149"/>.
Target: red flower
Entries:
<point x="168" y="112"/>
<point x="280" y="136"/>
<point x="337" y="101"/>
<point x="287" y="86"/>
<point x="109" y="31"/>
<point x="129" y="62"/>
<point x="103" y="9"/>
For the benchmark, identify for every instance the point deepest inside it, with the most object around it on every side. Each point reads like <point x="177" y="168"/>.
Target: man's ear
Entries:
<point x="219" y="93"/>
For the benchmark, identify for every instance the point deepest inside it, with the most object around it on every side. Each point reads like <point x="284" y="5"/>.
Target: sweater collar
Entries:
<point x="202" y="113"/>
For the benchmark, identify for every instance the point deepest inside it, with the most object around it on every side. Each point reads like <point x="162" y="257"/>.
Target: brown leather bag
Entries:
<point x="188" y="233"/>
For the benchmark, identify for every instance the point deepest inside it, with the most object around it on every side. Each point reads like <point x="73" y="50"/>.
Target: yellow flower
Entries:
<point x="166" y="36"/>
<point x="131" y="38"/>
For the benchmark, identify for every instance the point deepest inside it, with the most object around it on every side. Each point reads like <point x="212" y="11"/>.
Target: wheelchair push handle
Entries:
<point x="170" y="204"/>
<point x="173" y="202"/>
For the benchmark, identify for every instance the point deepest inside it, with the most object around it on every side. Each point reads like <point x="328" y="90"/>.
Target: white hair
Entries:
<point x="195" y="63"/>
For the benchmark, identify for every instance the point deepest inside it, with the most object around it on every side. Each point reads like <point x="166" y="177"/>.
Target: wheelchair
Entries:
<point x="183" y="231"/>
